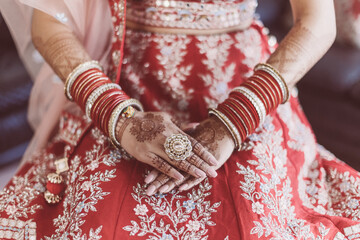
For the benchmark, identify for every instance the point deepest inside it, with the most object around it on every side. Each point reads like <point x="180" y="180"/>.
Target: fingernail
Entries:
<point x="178" y="176"/>
<point x="164" y="188"/>
<point x="183" y="187"/>
<point x="213" y="161"/>
<point x="199" y="173"/>
<point x="149" y="179"/>
<point x="150" y="191"/>
<point x="212" y="172"/>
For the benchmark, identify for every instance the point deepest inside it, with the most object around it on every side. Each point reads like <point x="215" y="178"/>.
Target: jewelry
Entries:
<point x="55" y="185"/>
<point x="116" y="114"/>
<point x="277" y="76"/>
<point x="97" y="93"/>
<point x="256" y="102"/>
<point x="178" y="147"/>
<point x="76" y="72"/>
<point x="128" y="112"/>
<point x="228" y="124"/>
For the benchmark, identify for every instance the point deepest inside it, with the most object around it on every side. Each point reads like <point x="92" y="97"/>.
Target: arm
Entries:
<point x="311" y="36"/>
<point x="57" y="44"/>
<point x="63" y="52"/>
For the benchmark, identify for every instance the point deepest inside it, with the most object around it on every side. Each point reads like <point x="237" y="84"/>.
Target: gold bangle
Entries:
<point x="83" y="67"/>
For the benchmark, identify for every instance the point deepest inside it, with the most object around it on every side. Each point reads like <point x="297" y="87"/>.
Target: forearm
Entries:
<point x="57" y="44"/>
<point x="312" y="35"/>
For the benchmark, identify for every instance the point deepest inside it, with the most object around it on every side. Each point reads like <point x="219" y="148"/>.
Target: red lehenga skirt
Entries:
<point x="282" y="185"/>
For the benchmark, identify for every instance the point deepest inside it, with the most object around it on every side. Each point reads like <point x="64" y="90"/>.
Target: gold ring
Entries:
<point x="178" y="147"/>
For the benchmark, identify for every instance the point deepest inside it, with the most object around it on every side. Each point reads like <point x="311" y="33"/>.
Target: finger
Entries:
<point x="190" y="183"/>
<point x="151" y="176"/>
<point x="172" y="183"/>
<point x="164" y="167"/>
<point x="156" y="184"/>
<point x="202" y="152"/>
<point x="198" y="162"/>
<point x="184" y="166"/>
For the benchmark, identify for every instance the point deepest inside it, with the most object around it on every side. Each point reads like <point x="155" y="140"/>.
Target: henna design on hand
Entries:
<point x="62" y="51"/>
<point x="210" y="133"/>
<point x="196" y="161"/>
<point x="148" y="127"/>
<point x="160" y="164"/>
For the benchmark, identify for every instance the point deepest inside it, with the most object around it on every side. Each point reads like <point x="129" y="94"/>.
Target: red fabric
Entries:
<point x="282" y="185"/>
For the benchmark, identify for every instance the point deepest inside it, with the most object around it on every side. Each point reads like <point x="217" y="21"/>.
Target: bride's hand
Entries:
<point x="212" y="134"/>
<point x="143" y="136"/>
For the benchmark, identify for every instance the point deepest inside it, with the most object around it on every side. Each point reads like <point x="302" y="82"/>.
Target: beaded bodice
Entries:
<point x="201" y="15"/>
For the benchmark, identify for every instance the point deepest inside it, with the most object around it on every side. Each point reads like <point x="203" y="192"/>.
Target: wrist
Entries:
<point x="228" y="136"/>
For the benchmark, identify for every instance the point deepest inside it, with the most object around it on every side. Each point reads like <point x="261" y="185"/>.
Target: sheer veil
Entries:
<point x="90" y="21"/>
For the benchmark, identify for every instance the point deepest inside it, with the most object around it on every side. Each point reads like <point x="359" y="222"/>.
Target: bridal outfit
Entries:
<point x="181" y="57"/>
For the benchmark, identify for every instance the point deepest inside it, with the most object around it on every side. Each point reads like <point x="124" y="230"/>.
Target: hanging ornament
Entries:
<point x="55" y="185"/>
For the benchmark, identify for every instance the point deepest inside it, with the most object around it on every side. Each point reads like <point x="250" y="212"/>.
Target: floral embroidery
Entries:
<point x="137" y="43"/>
<point x="216" y="49"/>
<point x="179" y="220"/>
<point x="16" y="198"/>
<point x="267" y="185"/>
<point x="87" y="187"/>
<point x="325" y="190"/>
<point x="173" y="72"/>
<point x="249" y="43"/>
<point x="17" y="229"/>
<point x="140" y="209"/>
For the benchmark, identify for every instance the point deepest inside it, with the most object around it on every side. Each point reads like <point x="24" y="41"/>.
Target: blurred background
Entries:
<point x="329" y="93"/>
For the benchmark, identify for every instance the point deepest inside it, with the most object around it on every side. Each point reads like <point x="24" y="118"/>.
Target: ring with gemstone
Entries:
<point x="178" y="147"/>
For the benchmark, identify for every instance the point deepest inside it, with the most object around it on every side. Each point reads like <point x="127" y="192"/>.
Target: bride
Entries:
<point x="205" y="138"/>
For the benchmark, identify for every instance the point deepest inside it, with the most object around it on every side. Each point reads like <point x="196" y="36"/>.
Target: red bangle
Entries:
<point x="231" y="116"/>
<point x="81" y="79"/>
<point x="240" y="97"/>
<point x="258" y="92"/>
<point x="262" y="81"/>
<point x="275" y="86"/>
<point x="239" y="107"/>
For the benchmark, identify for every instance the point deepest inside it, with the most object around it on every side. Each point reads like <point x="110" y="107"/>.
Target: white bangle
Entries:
<point x="116" y="114"/>
<point x="255" y="100"/>
<point x="76" y="73"/>
<point x="96" y="94"/>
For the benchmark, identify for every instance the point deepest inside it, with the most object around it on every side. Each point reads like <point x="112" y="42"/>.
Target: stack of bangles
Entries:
<point x="103" y="101"/>
<point x="246" y="107"/>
